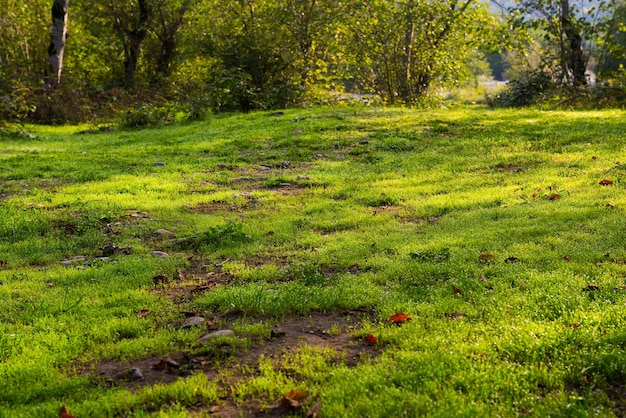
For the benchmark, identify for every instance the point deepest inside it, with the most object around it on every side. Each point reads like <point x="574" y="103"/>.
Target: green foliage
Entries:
<point x="224" y="235"/>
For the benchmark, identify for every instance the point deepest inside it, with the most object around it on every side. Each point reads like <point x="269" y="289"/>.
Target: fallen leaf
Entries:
<point x="398" y="318"/>
<point x="566" y="258"/>
<point x="483" y="278"/>
<point x="533" y="195"/>
<point x="485" y="258"/>
<point x="456" y="290"/>
<point x="142" y="313"/>
<point x="609" y="206"/>
<point x="621" y="287"/>
<point x="160" y="279"/>
<point x="590" y="288"/>
<point x="50" y="284"/>
<point x="554" y="196"/>
<point x="512" y="260"/>
<point x="3" y="263"/>
<point x="271" y="233"/>
<point x="65" y="413"/>
<point x="370" y="340"/>
<point x="456" y="315"/>
<point x="606" y="182"/>
<point x="575" y="325"/>
<point x="293" y="399"/>
<point x="486" y="255"/>
<point x="181" y="275"/>
<point x="167" y="364"/>
<point x="314" y="411"/>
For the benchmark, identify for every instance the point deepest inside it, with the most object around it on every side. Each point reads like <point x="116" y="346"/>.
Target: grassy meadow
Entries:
<point x="298" y="234"/>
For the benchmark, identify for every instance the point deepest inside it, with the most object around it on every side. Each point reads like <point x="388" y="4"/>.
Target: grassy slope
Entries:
<point x="411" y="197"/>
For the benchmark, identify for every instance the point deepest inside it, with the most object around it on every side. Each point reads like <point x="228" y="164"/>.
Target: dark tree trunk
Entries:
<point x="168" y="40"/>
<point x="574" y="55"/>
<point x="132" y="35"/>
<point x="57" y="42"/>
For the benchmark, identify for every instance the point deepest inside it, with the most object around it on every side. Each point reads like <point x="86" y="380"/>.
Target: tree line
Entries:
<point x="71" y="61"/>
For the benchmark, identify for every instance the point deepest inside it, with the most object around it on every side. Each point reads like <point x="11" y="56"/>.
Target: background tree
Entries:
<point x="58" y="35"/>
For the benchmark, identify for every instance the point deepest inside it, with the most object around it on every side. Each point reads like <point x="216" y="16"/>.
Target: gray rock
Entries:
<point x="160" y="254"/>
<point x="159" y="164"/>
<point x="136" y="374"/>
<point x="163" y="232"/>
<point x="216" y="334"/>
<point x="194" y="321"/>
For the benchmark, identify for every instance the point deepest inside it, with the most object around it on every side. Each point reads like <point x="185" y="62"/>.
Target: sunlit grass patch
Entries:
<point x="495" y="231"/>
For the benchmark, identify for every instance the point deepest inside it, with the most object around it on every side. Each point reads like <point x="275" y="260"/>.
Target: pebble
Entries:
<point x="160" y="254"/>
<point x="159" y="164"/>
<point x="297" y="132"/>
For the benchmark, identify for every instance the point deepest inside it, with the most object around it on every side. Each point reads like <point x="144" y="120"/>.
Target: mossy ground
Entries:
<point x="320" y="212"/>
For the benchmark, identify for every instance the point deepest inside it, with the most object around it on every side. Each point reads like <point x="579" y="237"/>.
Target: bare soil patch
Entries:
<point x="336" y="330"/>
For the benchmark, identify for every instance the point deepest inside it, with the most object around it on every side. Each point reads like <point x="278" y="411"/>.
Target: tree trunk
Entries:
<point x="168" y="39"/>
<point x="574" y="54"/>
<point x="57" y="42"/>
<point x="404" y="79"/>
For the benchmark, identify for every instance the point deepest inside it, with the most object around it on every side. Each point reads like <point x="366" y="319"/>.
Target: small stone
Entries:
<point x="159" y="164"/>
<point x="50" y="284"/>
<point x="285" y="164"/>
<point x="161" y="254"/>
<point x="216" y="334"/>
<point x="194" y="321"/>
<point x="303" y="178"/>
<point x="264" y="168"/>
<point x="162" y="232"/>
<point x="297" y="132"/>
<point x="136" y="374"/>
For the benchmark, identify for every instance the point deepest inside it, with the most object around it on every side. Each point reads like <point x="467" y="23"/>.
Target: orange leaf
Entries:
<point x="554" y="196"/>
<point x="486" y="256"/>
<point x="589" y="288"/>
<point x="456" y="290"/>
<point x="606" y="182"/>
<point x="398" y="318"/>
<point x="293" y="398"/>
<point x="575" y="325"/>
<point x="370" y="340"/>
<point x="65" y="413"/>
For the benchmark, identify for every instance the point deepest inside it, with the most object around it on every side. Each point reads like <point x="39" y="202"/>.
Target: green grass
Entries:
<point x="411" y="198"/>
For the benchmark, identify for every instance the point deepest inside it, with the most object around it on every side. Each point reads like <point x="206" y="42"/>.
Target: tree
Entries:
<point x="169" y="16"/>
<point x="571" y="30"/>
<point x="408" y="47"/>
<point x="131" y="20"/>
<point x="57" y="42"/>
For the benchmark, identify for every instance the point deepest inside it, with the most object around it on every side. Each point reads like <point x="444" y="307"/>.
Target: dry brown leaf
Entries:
<point x="398" y="318"/>
<point x="370" y="340"/>
<point x="142" y="313"/>
<point x="293" y="399"/>
<point x="605" y="182"/>
<point x="160" y="279"/>
<point x="65" y="413"/>
<point x="456" y="290"/>
<point x="590" y="288"/>
<point x="314" y="411"/>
